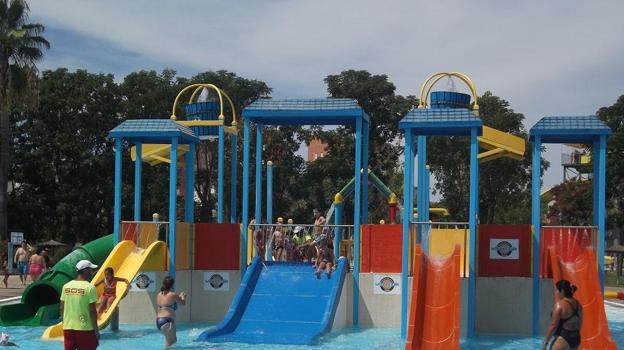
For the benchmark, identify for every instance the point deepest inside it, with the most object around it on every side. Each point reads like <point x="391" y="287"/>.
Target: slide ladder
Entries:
<point x="583" y="272"/>
<point x="126" y="259"/>
<point x="434" y="318"/>
<point x="281" y="303"/>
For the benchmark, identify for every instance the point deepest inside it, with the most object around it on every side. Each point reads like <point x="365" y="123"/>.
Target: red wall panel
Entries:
<point x="503" y="267"/>
<point x="217" y="246"/>
<point x="381" y="248"/>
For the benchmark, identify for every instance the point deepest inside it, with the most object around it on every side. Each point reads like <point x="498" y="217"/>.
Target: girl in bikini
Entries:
<point x="167" y="301"/>
<point x="110" y="290"/>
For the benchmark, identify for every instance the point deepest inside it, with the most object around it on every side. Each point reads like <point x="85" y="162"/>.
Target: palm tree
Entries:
<point x="20" y="48"/>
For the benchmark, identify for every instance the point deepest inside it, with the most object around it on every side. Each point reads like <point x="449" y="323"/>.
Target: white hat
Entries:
<point x="4" y="339"/>
<point x="298" y="229"/>
<point x="83" y="264"/>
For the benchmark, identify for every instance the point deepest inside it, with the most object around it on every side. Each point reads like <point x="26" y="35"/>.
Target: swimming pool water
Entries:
<point x="148" y="338"/>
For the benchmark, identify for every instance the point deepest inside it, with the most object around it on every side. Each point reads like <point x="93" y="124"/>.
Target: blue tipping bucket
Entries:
<point x="203" y="111"/>
<point x="449" y="99"/>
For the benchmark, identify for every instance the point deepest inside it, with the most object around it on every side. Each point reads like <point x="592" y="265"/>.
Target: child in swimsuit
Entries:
<point x="110" y="290"/>
<point x="259" y="239"/>
<point x="167" y="301"/>
<point x="279" y="246"/>
<point x="325" y="261"/>
<point x="4" y="340"/>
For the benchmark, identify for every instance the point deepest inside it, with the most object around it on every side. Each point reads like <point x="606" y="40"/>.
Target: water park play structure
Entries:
<point x="450" y="269"/>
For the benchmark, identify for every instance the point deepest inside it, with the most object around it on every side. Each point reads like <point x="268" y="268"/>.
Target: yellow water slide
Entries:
<point x="500" y="144"/>
<point x="126" y="259"/>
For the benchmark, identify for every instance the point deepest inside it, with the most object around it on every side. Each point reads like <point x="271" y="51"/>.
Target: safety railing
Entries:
<point x="440" y="239"/>
<point x="299" y="242"/>
<point x="575" y="158"/>
<point x="144" y="233"/>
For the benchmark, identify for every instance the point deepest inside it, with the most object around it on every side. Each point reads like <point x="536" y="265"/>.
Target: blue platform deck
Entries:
<point x="281" y="303"/>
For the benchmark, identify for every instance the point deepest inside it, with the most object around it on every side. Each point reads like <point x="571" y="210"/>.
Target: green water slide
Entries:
<point x="373" y="179"/>
<point x="40" y="301"/>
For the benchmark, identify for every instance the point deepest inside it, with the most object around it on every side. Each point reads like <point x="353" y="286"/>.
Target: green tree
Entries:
<point x="20" y="48"/>
<point x="63" y="160"/>
<point x="504" y="184"/>
<point x="571" y="203"/>
<point x="614" y="117"/>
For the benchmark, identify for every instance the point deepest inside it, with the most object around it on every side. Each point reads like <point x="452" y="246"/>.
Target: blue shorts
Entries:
<point x="22" y="267"/>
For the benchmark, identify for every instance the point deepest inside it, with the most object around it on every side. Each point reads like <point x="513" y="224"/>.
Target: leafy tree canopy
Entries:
<point x="614" y="117"/>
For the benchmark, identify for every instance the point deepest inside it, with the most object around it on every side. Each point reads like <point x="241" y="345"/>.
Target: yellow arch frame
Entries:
<point x="199" y="87"/>
<point x="425" y="90"/>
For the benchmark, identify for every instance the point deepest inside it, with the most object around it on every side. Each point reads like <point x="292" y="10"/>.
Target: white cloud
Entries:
<point x="554" y="57"/>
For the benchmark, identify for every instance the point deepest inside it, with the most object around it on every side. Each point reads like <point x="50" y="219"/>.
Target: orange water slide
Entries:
<point x="583" y="272"/>
<point x="435" y="307"/>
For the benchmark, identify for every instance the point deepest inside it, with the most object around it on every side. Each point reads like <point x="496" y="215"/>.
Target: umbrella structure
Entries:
<point x="51" y="243"/>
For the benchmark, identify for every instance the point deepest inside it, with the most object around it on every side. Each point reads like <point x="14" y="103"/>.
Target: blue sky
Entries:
<point x="545" y="57"/>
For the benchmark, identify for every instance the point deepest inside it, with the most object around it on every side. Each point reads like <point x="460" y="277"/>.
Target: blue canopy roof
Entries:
<point x="569" y="129"/>
<point x="153" y="131"/>
<point x="445" y="121"/>
<point x="317" y="111"/>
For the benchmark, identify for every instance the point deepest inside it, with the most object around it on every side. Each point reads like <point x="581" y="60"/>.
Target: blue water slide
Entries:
<point x="281" y="303"/>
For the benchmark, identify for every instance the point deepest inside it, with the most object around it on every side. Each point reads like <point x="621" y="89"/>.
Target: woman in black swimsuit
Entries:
<point x="566" y="319"/>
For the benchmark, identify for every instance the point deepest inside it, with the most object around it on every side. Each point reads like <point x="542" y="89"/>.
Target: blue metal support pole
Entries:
<point x="408" y="205"/>
<point x="173" y="177"/>
<point x="269" y="202"/>
<point x="536" y="221"/>
<point x="596" y="169"/>
<point x="233" y="179"/>
<point x="357" y="209"/>
<point x="426" y="198"/>
<point x="600" y="213"/>
<point x="365" y="131"/>
<point x="117" y="204"/>
<point x="258" y="209"/>
<point x="422" y="174"/>
<point x="221" y="172"/>
<point x="473" y="219"/>
<point x="338" y="207"/>
<point x="189" y="185"/>
<point x="269" y="188"/>
<point x="137" y="181"/>
<point x="245" y="210"/>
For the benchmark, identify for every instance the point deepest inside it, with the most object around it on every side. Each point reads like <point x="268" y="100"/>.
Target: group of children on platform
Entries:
<point x="296" y="244"/>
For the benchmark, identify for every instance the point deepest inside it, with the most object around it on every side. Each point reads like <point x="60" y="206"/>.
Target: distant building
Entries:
<point x="317" y="149"/>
